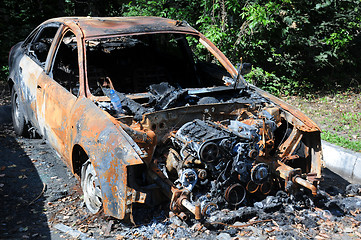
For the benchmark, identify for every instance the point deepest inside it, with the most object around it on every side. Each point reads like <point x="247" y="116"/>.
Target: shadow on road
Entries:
<point x="333" y="183"/>
<point x="22" y="203"/>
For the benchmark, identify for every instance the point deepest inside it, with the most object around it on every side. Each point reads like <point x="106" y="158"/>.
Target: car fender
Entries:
<point x="15" y="80"/>
<point x="15" y="55"/>
<point x="109" y="149"/>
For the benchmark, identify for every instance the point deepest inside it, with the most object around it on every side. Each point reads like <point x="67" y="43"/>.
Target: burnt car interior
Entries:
<point x="161" y="66"/>
<point x="217" y="144"/>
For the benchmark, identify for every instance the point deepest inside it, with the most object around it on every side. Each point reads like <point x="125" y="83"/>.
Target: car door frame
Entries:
<point x="55" y="99"/>
<point x="30" y="69"/>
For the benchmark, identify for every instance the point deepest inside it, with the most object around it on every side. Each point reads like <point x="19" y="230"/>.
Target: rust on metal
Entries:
<point x="128" y="95"/>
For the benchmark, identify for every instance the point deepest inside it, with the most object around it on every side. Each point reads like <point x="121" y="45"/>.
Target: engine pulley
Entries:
<point x="260" y="173"/>
<point x="235" y="194"/>
<point x="208" y="152"/>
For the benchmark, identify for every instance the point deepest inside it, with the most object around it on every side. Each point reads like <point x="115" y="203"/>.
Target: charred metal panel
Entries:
<point x="110" y="154"/>
<point x="57" y="106"/>
<point x="29" y="72"/>
<point x="288" y="146"/>
<point x="314" y="141"/>
<point x="15" y="55"/>
<point x="95" y="27"/>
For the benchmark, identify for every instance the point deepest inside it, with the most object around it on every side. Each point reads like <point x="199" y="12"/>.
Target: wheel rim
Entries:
<point x="16" y="110"/>
<point x="91" y="188"/>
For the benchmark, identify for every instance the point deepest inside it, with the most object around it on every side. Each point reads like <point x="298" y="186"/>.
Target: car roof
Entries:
<point x="93" y="27"/>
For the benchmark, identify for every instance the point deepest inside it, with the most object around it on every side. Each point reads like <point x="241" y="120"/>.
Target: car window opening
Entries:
<point x="40" y="46"/>
<point x="66" y="69"/>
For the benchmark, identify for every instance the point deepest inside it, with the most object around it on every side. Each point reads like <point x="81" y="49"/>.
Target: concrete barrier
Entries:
<point x="344" y="162"/>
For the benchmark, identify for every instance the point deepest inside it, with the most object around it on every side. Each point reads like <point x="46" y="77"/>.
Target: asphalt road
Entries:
<point x="31" y="176"/>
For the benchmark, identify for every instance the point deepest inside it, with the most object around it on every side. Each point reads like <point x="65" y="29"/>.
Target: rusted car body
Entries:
<point x="190" y="131"/>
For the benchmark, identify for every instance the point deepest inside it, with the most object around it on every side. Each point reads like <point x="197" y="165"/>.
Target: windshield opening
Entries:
<point x="130" y="64"/>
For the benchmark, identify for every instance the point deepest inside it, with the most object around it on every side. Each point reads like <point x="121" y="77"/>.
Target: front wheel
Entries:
<point x="91" y="187"/>
<point x="17" y="114"/>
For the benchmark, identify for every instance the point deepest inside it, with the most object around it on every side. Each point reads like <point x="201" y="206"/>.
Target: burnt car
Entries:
<point x="148" y="110"/>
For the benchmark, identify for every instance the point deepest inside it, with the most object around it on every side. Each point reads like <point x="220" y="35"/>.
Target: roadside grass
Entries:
<point x="338" y="115"/>
<point x="341" y="141"/>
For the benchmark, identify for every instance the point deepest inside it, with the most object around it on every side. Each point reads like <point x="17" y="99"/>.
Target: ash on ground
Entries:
<point x="281" y="216"/>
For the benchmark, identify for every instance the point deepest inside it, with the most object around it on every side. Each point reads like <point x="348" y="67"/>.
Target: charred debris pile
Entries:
<point x="286" y="214"/>
<point x="280" y="215"/>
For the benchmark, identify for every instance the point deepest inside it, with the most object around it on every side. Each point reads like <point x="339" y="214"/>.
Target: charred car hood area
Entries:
<point x="217" y="147"/>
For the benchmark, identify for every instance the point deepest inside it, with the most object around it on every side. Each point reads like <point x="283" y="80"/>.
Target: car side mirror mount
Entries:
<point x="246" y="68"/>
<point x="242" y="69"/>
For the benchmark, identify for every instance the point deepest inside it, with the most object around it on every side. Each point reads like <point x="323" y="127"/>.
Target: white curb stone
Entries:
<point x="344" y="162"/>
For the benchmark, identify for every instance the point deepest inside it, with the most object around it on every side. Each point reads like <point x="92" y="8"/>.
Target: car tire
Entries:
<point x="17" y="114"/>
<point x="91" y="187"/>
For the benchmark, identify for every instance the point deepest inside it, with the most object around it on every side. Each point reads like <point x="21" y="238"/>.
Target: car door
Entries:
<point x="58" y="91"/>
<point x="32" y="66"/>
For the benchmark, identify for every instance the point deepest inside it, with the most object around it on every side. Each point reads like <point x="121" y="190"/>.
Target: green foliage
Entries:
<point x="341" y="141"/>
<point x="276" y="85"/>
<point x="265" y="80"/>
<point x="338" y="40"/>
<point x="298" y="44"/>
<point x="351" y="118"/>
<point x="259" y="16"/>
<point x="4" y="72"/>
<point x="303" y="41"/>
<point x="175" y="9"/>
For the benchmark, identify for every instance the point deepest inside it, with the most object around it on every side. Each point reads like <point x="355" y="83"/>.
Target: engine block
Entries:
<point x="222" y="154"/>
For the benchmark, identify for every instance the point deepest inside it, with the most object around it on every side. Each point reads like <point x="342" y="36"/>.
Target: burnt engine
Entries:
<point x="217" y="162"/>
